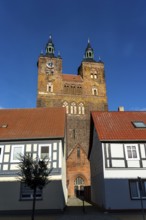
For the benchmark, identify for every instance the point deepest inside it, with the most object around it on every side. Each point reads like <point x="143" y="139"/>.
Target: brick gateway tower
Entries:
<point x="79" y="93"/>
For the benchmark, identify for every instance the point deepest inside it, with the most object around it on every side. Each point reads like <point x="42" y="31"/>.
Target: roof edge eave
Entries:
<point x="123" y="140"/>
<point x="34" y="138"/>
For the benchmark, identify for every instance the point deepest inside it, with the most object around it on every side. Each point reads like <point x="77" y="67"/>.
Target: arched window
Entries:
<point x="73" y="108"/>
<point x="65" y="104"/>
<point x="78" y="152"/>
<point x="94" y="91"/>
<point x="79" y="89"/>
<point x="79" y="181"/>
<point x="91" y="75"/>
<point x="49" y="87"/>
<point x="66" y="88"/>
<point x="89" y="54"/>
<point x="95" y="76"/>
<point x="73" y="89"/>
<point x="79" y="186"/>
<point x="81" y="109"/>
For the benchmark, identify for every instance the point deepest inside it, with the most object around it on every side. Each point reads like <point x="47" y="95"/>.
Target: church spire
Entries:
<point x="50" y="47"/>
<point x="89" y="53"/>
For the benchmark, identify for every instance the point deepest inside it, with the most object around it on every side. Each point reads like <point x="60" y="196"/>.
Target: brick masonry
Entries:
<point x="87" y="88"/>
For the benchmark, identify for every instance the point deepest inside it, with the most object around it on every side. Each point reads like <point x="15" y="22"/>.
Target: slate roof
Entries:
<point x="72" y="78"/>
<point x="35" y="123"/>
<point x="118" y="126"/>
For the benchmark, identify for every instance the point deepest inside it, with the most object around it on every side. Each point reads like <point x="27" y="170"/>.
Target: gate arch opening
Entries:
<point x="79" y="184"/>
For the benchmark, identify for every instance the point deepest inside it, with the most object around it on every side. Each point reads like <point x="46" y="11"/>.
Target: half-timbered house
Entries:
<point x="37" y="132"/>
<point x="117" y="157"/>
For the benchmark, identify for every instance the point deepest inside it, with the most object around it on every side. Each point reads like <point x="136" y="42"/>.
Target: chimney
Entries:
<point x="121" y="109"/>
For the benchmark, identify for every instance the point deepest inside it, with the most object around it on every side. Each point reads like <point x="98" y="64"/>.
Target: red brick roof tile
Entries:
<point x="72" y="78"/>
<point x="32" y="123"/>
<point x="115" y="126"/>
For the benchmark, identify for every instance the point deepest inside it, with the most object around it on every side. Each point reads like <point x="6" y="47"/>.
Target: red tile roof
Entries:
<point x="72" y="78"/>
<point x="115" y="126"/>
<point x="32" y="123"/>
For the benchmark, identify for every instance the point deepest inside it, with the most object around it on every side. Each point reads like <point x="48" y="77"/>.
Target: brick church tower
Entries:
<point x="79" y="93"/>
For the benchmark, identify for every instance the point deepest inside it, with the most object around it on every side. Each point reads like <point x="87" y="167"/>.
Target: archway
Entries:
<point x="79" y="184"/>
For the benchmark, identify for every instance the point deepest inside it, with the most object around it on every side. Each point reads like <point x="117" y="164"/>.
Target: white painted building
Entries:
<point x="117" y="157"/>
<point x="32" y="131"/>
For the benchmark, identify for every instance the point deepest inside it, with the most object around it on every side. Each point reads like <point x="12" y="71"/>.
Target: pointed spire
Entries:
<point x="41" y="52"/>
<point x="50" y="47"/>
<point x="89" y="53"/>
<point x="99" y="60"/>
<point x="59" y="56"/>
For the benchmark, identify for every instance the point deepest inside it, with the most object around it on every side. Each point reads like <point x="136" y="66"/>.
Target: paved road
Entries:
<point x="75" y="211"/>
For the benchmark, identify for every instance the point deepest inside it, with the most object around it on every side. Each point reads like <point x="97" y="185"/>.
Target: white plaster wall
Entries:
<point x="143" y="155"/>
<point x="133" y="169"/>
<point x="60" y="154"/>
<point x="117" y="150"/>
<point x="118" y="195"/>
<point x="124" y="173"/>
<point x="64" y="185"/>
<point x="53" y="197"/>
<point x="118" y="163"/>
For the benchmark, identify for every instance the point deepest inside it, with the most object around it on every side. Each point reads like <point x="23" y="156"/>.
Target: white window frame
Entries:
<point x="13" y="149"/>
<point x="126" y="151"/>
<point x="1" y="154"/>
<point x="50" y="153"/>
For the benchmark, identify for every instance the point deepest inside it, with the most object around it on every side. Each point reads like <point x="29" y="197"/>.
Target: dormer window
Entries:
<point x="139" y="124"/>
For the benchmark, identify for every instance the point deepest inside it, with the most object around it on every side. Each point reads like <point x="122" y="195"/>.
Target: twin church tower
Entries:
<point x="80" y="93"/>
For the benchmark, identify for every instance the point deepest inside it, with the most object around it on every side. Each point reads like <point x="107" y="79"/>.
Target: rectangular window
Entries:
<point x="131" y="152"/>
<point x="137" y="189"/>
<point x="1" y="153"/>
<point x="17" y="151"/>
<point x="45" y="151"/>
<point x="27" y="193"/>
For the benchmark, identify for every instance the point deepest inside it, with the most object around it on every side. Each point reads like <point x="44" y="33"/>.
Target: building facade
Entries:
<point x="37" y="132"/>
<point x="78" y="171"/>
<point x="80" y="93"/>
<point x="118" y="160"/>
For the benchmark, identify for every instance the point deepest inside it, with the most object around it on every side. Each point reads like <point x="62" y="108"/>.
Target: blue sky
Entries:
<point x="117" y="32"/>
